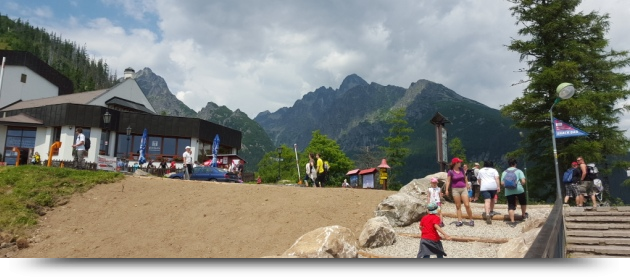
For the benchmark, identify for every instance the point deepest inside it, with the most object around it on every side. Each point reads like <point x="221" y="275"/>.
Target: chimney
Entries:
<point x="129" y="73"/>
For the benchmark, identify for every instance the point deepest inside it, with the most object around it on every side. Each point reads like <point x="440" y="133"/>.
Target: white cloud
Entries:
<point x="264" y="55"/>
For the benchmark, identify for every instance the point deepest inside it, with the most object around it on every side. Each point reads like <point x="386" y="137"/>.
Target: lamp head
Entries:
<point x="565" y="90"/>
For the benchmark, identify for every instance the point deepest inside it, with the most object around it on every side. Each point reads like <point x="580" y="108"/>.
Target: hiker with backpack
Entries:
<point x="472" y="175"/>
<point x="79" y="148"/>
<point x="513" y="180"/>
<point x="570" y="179"/>
<point x="585" y="185"/>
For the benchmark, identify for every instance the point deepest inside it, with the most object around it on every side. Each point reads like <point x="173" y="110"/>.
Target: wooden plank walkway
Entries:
<point x="602" y="232"/>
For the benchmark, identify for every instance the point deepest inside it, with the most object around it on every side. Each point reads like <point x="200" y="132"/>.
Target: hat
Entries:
<point x="456" y="160"/>
<point x="574" y="163"/>
<point x="187" y="147"/>
<point x="476" y="164"/>
<point x="434" y="180"/>
<point x="433" y="208"/>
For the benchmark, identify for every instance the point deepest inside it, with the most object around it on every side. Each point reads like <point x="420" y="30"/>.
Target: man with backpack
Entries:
<point x="585" y="185"/>
<point x="472" y="175"/>
<point x="79" y="147"/>
<point x="570" y="180"/>
<point x="513" y="180"/>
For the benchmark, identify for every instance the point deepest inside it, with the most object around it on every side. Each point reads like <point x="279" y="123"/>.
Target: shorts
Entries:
<point x="511" y="199"/>
<point x="460" y="191"/>
<point x="571" y="190"/>
<point x="585" y="188"/>
<point x="488" y="194"/>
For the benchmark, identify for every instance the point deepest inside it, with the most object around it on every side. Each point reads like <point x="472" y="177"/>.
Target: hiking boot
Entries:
<point x="483" y="215"/>
<point x="472" y="224"/>
<point x="511" y="224"/>
<point x="459" y="224"/>
<point x="525" y="216"/>
<point x="489" y="219"/>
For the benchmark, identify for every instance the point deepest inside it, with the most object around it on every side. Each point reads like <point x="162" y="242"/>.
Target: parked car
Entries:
<point x="207" y="173"/>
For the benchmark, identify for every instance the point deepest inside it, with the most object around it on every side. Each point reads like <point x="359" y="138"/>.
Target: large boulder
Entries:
<point x="533" y="223"/>
<point x="518" y="246"/>
<point x="325" y="242"/>
<point x="418" y="187"/>
<point x="377" y="232"/>
<point x="401" y="209"/>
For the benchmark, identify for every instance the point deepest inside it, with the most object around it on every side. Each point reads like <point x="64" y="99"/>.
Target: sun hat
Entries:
<point x="433" y="208"/>
<point x="476" y="163"/>
<point x="434" y="180"/>
<point x="187" y="147"/>
<point x="574" y="163"/>
<point x="456" y="160"/>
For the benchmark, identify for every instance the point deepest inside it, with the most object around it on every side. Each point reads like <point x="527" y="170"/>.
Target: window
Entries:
<point x="23" y="78"/>
<point x="23" y="139"/>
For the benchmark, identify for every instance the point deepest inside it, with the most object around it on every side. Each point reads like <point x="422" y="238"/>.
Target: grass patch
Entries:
<point x="26" y="191"/>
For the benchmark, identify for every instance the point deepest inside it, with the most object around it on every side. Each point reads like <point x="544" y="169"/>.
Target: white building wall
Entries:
<point x="35" y="87"/>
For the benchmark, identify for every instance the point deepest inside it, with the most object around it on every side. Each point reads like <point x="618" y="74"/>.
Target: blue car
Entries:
<point x="207" y="173"/>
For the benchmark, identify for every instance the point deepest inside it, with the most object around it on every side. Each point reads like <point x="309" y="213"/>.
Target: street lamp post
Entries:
<point x="279" y="153"/>
<point x="565" y="91"/>
<point x="128" y="146"/>
<point x="107" y="117"/>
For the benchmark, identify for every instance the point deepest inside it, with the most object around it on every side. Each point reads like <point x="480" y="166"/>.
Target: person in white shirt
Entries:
<point x="434" y="194"/>
<point x="79" y="146"/>
<point x="489" y="186"/>
<point x="188" y="163"/>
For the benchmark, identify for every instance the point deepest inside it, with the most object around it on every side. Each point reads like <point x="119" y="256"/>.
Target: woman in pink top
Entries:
<point x="456" y="177"/>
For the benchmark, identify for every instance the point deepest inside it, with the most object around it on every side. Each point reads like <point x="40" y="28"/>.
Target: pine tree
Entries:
<point x="396" y="151"/>
<point x="562" y="45"/>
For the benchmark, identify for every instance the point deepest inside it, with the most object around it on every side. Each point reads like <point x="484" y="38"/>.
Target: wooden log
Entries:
<point x="517" y="217"/>
<point x="374" y="256"/>
<point x="464" y="239"/>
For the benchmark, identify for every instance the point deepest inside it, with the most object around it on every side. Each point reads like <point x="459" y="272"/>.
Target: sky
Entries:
<point x="264" y="55"/>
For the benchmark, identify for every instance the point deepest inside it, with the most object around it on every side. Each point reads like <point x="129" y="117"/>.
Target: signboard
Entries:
<point x="107" y="163"/>
<point x="444" y="145"/>
<point x="368" y="181"/>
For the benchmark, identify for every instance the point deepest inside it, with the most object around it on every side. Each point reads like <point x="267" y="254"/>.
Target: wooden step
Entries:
<point x="597" y="226"/>
<point x="570" y="214"/>
<point x="598" y="233"/>
<point x="600" y="249"/>
<point x="597" y="219"/>
<point x="580" y="255"/>
<point x="598" y="241"/>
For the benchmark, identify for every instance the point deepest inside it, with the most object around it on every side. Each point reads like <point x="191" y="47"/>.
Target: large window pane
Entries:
<point x="154" y="146"/>
<point x="169" y="147"/>
<point x="181" y="145"/>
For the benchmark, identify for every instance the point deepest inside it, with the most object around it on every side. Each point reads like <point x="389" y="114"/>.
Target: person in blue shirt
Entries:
<point x="517" y="193"/>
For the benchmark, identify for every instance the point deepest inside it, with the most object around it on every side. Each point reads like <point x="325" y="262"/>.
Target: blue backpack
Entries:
<point x="510" y="179"/>
<point x="567" y="178"/>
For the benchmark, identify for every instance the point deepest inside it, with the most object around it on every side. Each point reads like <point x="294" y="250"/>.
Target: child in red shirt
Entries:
<point x="430" y="243"/>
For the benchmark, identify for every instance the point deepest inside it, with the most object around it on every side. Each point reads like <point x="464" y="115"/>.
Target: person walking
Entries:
<point x="585" y="185"/>
<point x="430" y="243"/>
<point x="319" y="181"/>
<point x="457" y="179"/>
<point x="188" y="162"/>
<point x="571" y="188"/>
<point x="489" y="187"/>
<point x="79" y="147"/>
<point x="517" y="193"/>
<point x="311" y="170"/>
<point x="475" y="182"/>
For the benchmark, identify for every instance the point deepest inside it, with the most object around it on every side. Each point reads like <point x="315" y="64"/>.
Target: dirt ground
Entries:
<point x="163" y="218"/>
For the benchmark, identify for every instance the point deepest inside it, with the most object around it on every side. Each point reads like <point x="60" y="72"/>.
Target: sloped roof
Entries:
<point x="367" y="171"/>
<point x="21" y="119"/>
<point x="82" y="98"/>
<point x="129" y="104"/>
<point x="352" y="172"/>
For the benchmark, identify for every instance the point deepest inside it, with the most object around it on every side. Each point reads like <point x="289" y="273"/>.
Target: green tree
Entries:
<point x="456" y="148"/>
<point x="561" y="45"/>
<point x="330" y="151"/>
<point x="270" y="165"/>
<point x="396" y="151"/>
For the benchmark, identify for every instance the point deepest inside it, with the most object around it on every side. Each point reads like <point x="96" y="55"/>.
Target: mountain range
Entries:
<point x="354" y="116"/>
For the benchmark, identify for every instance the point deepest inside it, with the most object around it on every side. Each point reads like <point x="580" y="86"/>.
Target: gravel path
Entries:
<point x="407" y="247"/>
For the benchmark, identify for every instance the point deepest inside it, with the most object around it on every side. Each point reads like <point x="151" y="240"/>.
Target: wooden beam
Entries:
<point x="506" y="217"/>
<point x="464" y="239"/>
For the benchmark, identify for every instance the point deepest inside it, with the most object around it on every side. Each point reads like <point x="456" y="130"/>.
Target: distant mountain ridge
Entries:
<point x="354" y="116"/>
<point x="255" y="141"/>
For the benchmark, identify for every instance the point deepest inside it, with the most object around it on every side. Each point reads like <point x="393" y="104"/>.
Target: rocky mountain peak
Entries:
<point x="350" y="82"/>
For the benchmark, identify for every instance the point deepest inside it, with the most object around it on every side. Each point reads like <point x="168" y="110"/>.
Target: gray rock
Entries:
<point x="377" y="232"/>
<point x="401" y="209"/>
<point x="517" y="247"/>
<point x="326" y="242"/>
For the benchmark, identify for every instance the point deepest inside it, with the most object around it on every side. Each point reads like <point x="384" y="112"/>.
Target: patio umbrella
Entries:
<point x="215" y="150"/>
<point x="143" y="147"/>
<point x="207" y="163"/>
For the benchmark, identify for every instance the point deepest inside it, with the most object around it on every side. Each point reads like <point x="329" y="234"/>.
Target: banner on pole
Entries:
<point x="563" y="130"/>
